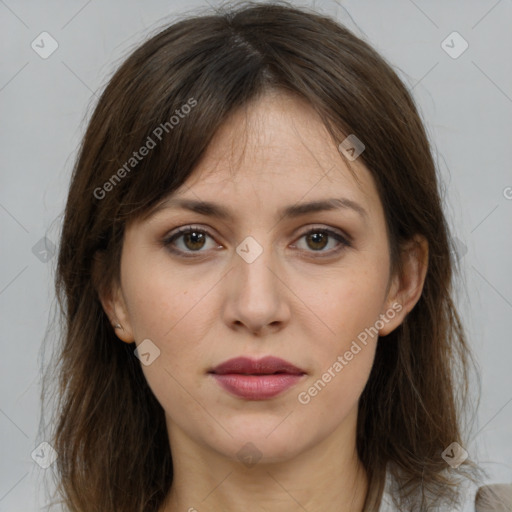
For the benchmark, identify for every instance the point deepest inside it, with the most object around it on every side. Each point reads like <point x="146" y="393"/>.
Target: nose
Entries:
<point x="257" y="296"/>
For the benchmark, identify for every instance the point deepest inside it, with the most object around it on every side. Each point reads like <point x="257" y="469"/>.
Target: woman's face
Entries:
<point x="307" y="286"/>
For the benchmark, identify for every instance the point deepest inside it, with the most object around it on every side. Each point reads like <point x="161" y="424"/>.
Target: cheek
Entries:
<point x="162" y="298"/>
<point x="347" y="300"/>
<point x="349" y="306"/>
<point x="332" y="395"/>
<point x="167" y="308"/>
<point x="343" y="359"/>
<point x="170" y="312"/>
<point x="175" y="310"/>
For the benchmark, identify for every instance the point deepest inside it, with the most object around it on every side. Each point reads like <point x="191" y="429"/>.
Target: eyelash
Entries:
<point x="169" y="241"/>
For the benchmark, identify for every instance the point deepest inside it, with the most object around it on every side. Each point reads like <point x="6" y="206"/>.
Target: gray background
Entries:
<point x="467" y="106"/>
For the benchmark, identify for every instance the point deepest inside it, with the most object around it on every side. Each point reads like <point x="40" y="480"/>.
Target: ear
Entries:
<point x="407" y="285"/>
<point x="111" y="298"/>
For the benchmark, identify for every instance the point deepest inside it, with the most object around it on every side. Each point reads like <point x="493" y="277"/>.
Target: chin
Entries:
<point x="263" y="442"/>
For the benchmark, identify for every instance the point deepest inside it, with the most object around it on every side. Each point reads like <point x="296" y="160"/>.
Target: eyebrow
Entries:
<point x="219" y="211"/>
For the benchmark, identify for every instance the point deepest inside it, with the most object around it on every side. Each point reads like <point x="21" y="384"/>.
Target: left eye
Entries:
<point x="318" y="238"/>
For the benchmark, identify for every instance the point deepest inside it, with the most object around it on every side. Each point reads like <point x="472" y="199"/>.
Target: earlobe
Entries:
<point x="407" y="287"/>
<point x="112" y="301"/>
<point x="391" y="318"/>
<point x="115" y="307"/>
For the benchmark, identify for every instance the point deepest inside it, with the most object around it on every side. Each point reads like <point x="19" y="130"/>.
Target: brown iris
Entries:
<point x="319" y="240"/>
<point x="196" y="239"/>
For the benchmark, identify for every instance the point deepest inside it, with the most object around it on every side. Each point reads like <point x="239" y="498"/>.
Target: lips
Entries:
<point x="259" y="379"/>
<point x="266" y="366"/>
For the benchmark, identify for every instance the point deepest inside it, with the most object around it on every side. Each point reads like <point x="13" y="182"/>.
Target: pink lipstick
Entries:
<point x="259" y="379"/>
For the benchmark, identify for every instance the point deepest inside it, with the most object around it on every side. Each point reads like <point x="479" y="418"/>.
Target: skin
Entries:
<point x="291" y="302"/>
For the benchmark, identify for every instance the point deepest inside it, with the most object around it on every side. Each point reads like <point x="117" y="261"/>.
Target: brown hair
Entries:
<point x="409" y="411"/>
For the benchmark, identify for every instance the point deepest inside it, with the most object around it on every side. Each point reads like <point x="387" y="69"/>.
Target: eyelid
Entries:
<point x="186" y="229"/>
<point x="331" y="230"/>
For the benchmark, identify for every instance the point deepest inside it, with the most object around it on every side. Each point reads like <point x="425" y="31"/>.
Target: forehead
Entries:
<point x="274" y="140"/>
<point x="274" y="157"/>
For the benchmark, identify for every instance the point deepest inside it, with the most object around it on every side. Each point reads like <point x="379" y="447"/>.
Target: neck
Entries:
<point x="328" y="477"/>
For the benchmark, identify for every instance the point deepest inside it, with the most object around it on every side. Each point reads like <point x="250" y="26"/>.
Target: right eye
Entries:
<point x="192" y="239"/>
